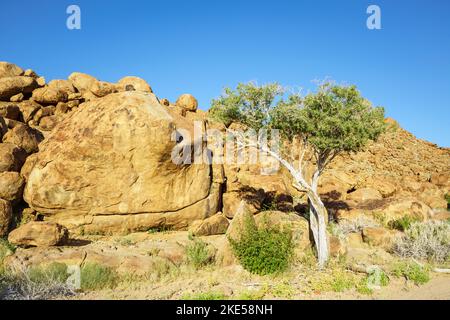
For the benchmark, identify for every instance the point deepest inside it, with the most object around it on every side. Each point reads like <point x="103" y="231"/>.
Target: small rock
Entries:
<point x="39" y="234"/>
<point x="12" y="157"/>
<point x="24" y="137"/>
<point x="11" y="186"/>
<point x="17" y="98"/>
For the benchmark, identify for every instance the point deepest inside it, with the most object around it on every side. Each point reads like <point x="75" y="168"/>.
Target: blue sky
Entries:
<point x="199" y="47"/>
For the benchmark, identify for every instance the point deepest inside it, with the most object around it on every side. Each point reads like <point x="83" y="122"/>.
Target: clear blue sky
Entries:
<point x="201" y="46"/>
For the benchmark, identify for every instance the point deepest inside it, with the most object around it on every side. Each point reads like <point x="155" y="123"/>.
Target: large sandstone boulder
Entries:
<point x="5" y="217"/>
<point x="9" y="70"/>
<point x="48" y="95"/>
<point x="39" y="234"/>
<point x="187" y="102"/>
<point x="102" y="88"/>
<point x="134" y="83"/>
<point x="11" y="186"/>
<point x="108" y="169"/>
<point x="11" y="86"/>
<point x="12" y="157"/>
<point x="62" y="86"/>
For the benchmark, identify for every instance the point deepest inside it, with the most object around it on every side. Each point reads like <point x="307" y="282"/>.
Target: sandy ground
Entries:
<point x="438" y="288"/>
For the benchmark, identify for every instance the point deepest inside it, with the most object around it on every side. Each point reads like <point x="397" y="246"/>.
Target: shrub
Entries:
<point x="343" y="228"/>
<point x="210" y="295"/>
<point x="412" y="271"/>
<point x="96" y="277"/>
<point x="375" y="279"/>
<point x="37" y="283"/>
<point x="342" y="281"/>
<point x="197" y="253"/>
<point x="263" y="250"/>
<point x="403" y="223"/>
<point x="55" y="271"/>
<point x="425" y="240"/>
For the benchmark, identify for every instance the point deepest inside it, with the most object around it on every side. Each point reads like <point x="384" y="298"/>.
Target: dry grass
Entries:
<point x="426" y="241"/>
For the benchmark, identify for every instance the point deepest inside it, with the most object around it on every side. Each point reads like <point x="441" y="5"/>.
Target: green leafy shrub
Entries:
<point x="412" y="271"/>
<point x="428" y="240"/>
<point x="263" y="250"/>
<point x="96" y="277"/>
<point x="403" y="223"/>
<point x="197" y="253"/>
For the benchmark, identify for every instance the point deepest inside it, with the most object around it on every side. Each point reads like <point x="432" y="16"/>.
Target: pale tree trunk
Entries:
<point x="318" y="212"/>
<point x="317" y="218"/>
<point x="318" y="226"/>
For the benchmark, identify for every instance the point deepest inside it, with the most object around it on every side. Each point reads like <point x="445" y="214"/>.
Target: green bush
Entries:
<point x="263" y="250"/>
<point x="412" y="271"/>
<point x="96" y="277"/>
<point x="403" y="223"/>
<point x="197" y="253"/>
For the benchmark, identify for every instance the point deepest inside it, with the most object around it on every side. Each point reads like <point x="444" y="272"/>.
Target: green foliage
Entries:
<point x="96" y="277"/>
<point x="197" y="253"/>
<point x="335" y="118"/>
<point x="402" y="224"/>
<point x="447" y="197"/>
<point x="210" y="295"/>
<point x="249" y="104"/>
<point x="412" y="271"/>
<point x="342" y="281"/>
<point x="263" y="250"/>
<point x="6" y="248"/>
<point x="378" y="278"/>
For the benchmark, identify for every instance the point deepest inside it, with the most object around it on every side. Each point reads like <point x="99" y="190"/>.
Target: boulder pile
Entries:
<point x="86" y="157"/>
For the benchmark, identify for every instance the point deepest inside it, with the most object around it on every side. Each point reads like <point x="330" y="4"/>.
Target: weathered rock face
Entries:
<point x="39" y="234"/>
<point x="11" y="186"/>
<point x="216" y="224"/>
<point x="25" y="137"/>
<point x="107" y="168"/>
<point x="12" y="157"/>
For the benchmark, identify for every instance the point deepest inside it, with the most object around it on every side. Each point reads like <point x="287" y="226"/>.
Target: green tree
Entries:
<point x="332" y="120"/>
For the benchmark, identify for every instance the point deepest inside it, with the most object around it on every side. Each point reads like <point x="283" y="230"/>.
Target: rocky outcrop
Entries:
<point x="108" y="168"/>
